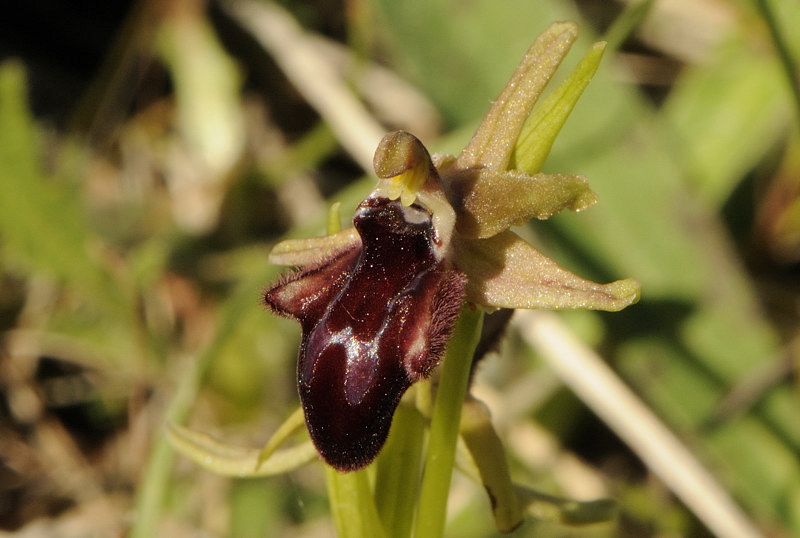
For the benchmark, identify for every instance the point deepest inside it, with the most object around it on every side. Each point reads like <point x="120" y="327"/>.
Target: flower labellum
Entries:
<point x="376" y="317"/>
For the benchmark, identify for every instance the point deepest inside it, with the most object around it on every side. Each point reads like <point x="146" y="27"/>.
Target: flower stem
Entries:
<point x="352" y="507"/>
<point x="398" y="473"/>
<point x="445" y="421"/>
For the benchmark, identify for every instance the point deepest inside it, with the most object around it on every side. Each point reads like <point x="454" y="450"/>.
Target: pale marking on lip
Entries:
<point x="362" y="362"/>
<point x="413" y="215"/>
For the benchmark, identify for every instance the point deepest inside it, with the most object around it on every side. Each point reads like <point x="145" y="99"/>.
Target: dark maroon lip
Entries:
<point x="394" y="210"/>
<point x="375" y="319"/>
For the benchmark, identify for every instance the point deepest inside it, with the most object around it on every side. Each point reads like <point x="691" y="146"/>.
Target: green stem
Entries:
<point x="445" y="424"/>
<point x="625" y="24"/>
<point x="352" y="508"/>
<point x="398" y="471"/>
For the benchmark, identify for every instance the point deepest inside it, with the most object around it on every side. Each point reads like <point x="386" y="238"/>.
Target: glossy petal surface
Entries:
<point x="375" y="319"/>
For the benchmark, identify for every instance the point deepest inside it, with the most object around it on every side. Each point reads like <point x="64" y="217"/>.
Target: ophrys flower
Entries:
<point x="378" y="301"/>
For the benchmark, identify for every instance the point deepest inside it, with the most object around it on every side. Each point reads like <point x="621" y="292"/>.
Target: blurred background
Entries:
<point x="152" y="151"/>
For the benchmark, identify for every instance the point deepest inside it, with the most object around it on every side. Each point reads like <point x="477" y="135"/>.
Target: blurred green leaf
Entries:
<point x="42" y="221"/>
<point x="441" y="44"/>
<point x="726" y="117"/>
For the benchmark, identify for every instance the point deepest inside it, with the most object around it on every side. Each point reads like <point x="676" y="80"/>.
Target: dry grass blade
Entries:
<point x="312" y="74"/>
<point x="600" y="388"/>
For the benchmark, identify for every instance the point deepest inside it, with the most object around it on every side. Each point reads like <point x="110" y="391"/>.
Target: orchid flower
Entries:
<point x="377" y="302"/>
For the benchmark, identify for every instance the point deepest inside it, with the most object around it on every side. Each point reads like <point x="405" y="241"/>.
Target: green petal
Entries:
<point x="494" y="141"/>
<point x="542" y="128"/>
<point x="506" y="272"/>
<point x="490" y="201"/>
<point x="310" y="250"/>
